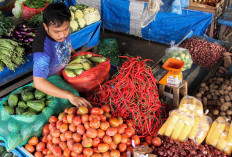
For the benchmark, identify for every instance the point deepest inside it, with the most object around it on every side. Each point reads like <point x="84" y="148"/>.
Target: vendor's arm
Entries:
<point x="47" y="87"/>
<point x="72" y="50"/>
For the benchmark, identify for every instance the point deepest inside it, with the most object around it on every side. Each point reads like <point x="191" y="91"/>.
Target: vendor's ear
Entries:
<point x="45" y="27"/>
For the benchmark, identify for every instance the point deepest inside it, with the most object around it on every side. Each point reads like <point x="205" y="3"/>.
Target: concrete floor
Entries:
<point x="136" y="46"/>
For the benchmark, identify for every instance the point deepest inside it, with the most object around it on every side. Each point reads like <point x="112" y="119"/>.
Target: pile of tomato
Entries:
<point x="84" y="132"/>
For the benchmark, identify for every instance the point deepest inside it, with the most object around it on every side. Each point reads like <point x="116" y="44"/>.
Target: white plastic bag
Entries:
<point x="149" y="14"/>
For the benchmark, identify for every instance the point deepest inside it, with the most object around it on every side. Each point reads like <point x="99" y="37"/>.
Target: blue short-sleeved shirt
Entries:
<point x="50" y="56"/>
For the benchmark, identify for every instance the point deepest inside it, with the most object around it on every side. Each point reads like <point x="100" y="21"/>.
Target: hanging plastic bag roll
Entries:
<point x="149" y="14"/>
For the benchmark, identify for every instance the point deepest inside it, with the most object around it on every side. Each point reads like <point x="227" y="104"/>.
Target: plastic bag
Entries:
<point x="180" y="54"/>
<point x="149" y="14"/>
<point x="88" y="80"/>
<point x="91" y="17"/>
<point x="16" y="130"/>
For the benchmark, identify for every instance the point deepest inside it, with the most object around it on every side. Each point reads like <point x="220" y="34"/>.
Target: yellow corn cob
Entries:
<point x="228" y="149"/>
<point x="222" y="141"/>
<point x="199" y="108"/>
<point x="177" y="130"/>
<point x="217" y="133"/>
<point x="77" y="59"/>
<point x="86" y="66"/>
<point x="185" y="132"/>
<point x="74" y="66"/>
<point x="171" y="123"/>
<point x="88" y="56"/>
<point x="212" y="129"/>
<point x="195" y="128"/>
<point x="69" y="73"/>
<point x="227" y="128"/>
<point x="229" y="139"/>
<point x="78" y="71"/>
<point x="163" y="128"/>
<point x="202" y="134"/>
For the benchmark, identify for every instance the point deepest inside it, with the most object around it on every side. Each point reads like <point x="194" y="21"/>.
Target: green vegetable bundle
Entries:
<point x="6" y="24"/>
<point x="37" y="4"/>
<point x="5" y="153"/>
<point x="11" y="54"/>
<point x="36" y="20"/>
<point x="28" y="101"/>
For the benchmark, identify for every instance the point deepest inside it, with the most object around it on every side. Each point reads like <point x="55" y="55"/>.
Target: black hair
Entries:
<point x="56" y="14"/>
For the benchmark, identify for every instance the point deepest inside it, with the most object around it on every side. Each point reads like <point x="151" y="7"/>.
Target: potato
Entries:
<point x="229" y="112"/>
<point x="199" y="95"/>
<point x="221" y="79"/>
<point x="222" y="113"/>
<point x="217" y="92"/>
<point x="226" y="92"/>
<point x="227" y="62"/>
<point x="215" y="78"/>
<point x="215" y="112"/>
<point x="230" y="94"/>
<point x="219" y="103"/>
<point x="215" y="97"/>
<point x="228" y="104"/>
<point x="222" y="92"/>
<point x="204" y="101"/>
<point x="209" y="96"/>
<point x="227" y="82"/>
<point x="227" y="98"/>
<point x="203" y="85"/>
<point x="206" y="88"/>
<point x="228" y="88"/>
<point x="229" y="117"/>
<point x="202" y="90"/>
<point x="215" y="87"/>
<point x="222" y="100"/>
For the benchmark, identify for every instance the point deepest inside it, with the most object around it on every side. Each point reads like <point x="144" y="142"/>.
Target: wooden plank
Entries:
<point x="15" y="86"/>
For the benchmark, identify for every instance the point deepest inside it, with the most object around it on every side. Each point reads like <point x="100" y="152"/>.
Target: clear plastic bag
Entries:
<point x="149" y="14"/>
<point x="191" y="105"/>
<point x="180" y="54"/>
<point x="91" y="15"/>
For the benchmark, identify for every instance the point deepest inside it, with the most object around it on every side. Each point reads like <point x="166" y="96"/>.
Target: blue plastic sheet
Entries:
<point x="88" y="35"/>
<point x="8" y="75"/>
<point x="226" y="18"/>
<point x="14" y="151"/>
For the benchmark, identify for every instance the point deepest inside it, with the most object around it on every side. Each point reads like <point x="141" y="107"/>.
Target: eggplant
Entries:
<point x="25" y="40"/>
<point x="24" y="33"/>
<point x="21" y="39"/>
<point x="30" y="39"/>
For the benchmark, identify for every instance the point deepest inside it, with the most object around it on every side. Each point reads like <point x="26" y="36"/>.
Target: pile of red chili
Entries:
<point x="133" y="95"/>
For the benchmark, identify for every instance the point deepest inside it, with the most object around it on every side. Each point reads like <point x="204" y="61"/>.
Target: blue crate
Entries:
<point x="14" y="151"/>
<point x="24" y="151"/>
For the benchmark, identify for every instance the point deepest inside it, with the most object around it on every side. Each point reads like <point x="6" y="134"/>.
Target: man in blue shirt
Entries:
<point x="52" y="51"/>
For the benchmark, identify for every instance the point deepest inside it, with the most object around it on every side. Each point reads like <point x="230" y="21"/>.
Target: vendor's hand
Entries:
<point x="78" y="101"/>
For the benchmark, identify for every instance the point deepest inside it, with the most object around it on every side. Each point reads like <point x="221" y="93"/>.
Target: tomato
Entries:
<point x="129" y="122"/>
<point x="44" y="139"/>
<point x="95" y="124"/>
<point x="103" y="118"/>
<point x="129" y="132"/>
<point x="111" y="131"/>
<point x="62" y="137"/>
<point x="101" y="111"/>
<point x="156" y="141"/>
<point x="95" y="150"/>
<point x="88" y="142"/>
<point x="77" y="148"/>
<point x="57" y="151"/>
<point x="73" y="154"/>
<point x="88" y="152"/>
<point x="120" y="120"/>
<point x="117" y="139"/>
<point x="49" y="137"/>
<point x="52" y="126"/>
<point x="84" y="118"/>
<point x="105" y="125"/>
<point x="30" y="148"/>
<point x="124" y="126"/>
<point x="70" y="118"/>
<point x="102" y="147"/>
<point x="145" y="144"/>
<point x="91" y="133"/>
<point x="64" y="128"/>
<point x="72" y="128"/>
<point x="76" y="137"/>
<point x="63" y="145"/>
<point x="112" y="146"/>
<point x="130" y="148"/>
<point x="96" y="142"/>
<point x="46" y="129"/>
<point x="84" y="137"/>
<point x="108" y="116"/>
<point x="123" y="154"/>
<point x="80" y="155"/>
<point x="66" y="110"/>
<point x="121" y="129"/>
<point x="72" y="110"/>
<point x="136" y="139"/>
<point x="95" y="110"/>
<point x="76" y="121"/>
<point x="33" y="141"/>
<point x="100" y="133"/>
<point x="97" y="155"/>
<point x="70" y="144"/>
<point x="65" y="120"/>
<point x="148" y="139"/>
<point x="40" y="146"/>
<point x="58" y="124"/>
<point x="106" y="154"/>
<point x="86" y="125"/>
<point x="49" y="145"/>
<point x="67" y="152"/>
<point x="38" y="154"/>
<point x="83" y="110"/>
<point x="80" y="129"/>
<point x="114" y="122"/>
<point x="124" y="138"/>
<point x="61" y="116"/>
<point x="114" y="153"/>
<point x="107" y="139"/>
<point x="94" y="117"/>
<point x="53" y="119"/>
<point x="129" y="142"/>
<point x="55" y="133"/>
<point x="122" y="147"/>
<point x="105" y="108"/>
<point x="45" y="151"/>
<point x="68" y="135"/>
<point x="56" y="140"/>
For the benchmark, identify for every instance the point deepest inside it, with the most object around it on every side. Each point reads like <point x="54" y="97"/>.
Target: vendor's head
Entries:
<point x="56" y="19"/>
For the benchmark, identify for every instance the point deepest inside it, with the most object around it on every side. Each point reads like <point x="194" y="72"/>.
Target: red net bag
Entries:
<point x="90" y="79"/>
<point x="27" y="12"/>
